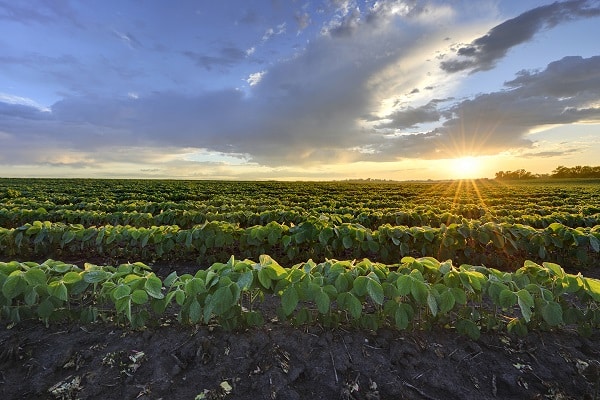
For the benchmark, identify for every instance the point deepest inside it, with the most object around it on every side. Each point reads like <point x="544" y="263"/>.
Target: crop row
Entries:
<point x="371" y="219"/>
<point x="497" y="245"/>
<point x="415" y="294"/>
<point x="471" y="200"/>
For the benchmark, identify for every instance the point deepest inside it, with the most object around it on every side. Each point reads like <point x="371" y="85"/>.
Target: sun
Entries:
<point x="466" y="167"/>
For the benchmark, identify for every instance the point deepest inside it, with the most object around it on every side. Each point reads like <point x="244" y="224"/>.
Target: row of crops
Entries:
<point x="416" y="293"/>
<point x="484" y="222"/>
<point x="503" y="245"/>
<point x="482" y="226"/>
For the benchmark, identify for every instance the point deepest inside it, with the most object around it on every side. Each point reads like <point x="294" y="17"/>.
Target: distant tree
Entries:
<point x="561" y="171"/>
<point x="518" y="174"/>
<point x="577" y="171"/>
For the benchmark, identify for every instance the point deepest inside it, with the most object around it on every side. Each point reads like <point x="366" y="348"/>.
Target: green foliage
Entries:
<point x="479" y="228"/>
<point x="418" y="294"/>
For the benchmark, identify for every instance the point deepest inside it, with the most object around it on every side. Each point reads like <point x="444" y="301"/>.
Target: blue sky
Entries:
<point x="277" y="89"/>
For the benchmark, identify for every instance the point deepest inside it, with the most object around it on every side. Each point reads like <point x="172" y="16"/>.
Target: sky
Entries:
<point x="297" y="90"/>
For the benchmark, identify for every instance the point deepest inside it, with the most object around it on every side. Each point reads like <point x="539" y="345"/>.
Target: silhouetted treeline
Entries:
<point x="576" y="172"/>
<point x="560" y="172"/>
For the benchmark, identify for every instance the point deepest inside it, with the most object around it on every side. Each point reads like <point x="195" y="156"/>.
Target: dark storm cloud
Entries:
<point x="483" y="53"/>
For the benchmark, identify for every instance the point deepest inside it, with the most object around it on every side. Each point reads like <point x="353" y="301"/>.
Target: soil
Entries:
<point x="100" y="361"/>
<point x="277" y="361"/>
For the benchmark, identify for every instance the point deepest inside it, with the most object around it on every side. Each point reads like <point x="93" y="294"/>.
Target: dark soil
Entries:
<point x="101" y="361"/>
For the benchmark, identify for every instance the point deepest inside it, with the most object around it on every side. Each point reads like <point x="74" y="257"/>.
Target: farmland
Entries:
<point x="460" y="264"/>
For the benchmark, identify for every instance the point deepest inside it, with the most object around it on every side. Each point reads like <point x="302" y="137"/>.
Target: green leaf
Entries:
<point x="154" y="286"/>
<point x="325" y="235"/>
<point x="483" y="237"/>
<point x="429" y="235"/>
<point x="403" y="315"/>
<point x="35" y="277"/>
<point x="542" y="252"/>
<point x="447" y="301"/>
<point x="170" y="279"/>
<point x="341" y="283"/>
<point x="359" y="286"/>
<point x="30" y="296"/>
<point x="222" y="300"/>
<point x="195" y="286"/>
<point x="459" y="296"/>
<point x="572" y="283"/>
<point x="525" y="297"/>
<point x="100" y="236"/>
<point x="507" y="298"/>
<point x="469" y="328"/>
<point x="58" y="290"/>
<point x="121" y="291"/>
<point x="45" y="309"/>
<point x="552" y="313"/>
<point x="323" y="302"/>
<point x="404" y="284"/>
<point x="498" y="240"/>
<point x="71" y="277"/>
<point x="131" y="280"/>
<point x="267" y="262"/>
<point x="61" y="267"/>
<point x="245" y="280"/>
<point x="254" y="318"/>
<point x="95" y="276"/>
<point x="419" y="291"/>
<point x="554" y="268"/>
<point x="375" y="291"/>
<point x="139" y="296"/>
<point x="595" y="243"/>
<point x="354" y="306"/>
<point x="347" y="242"/>
<point x="593" y="287"/>
<point x="67" y="237"/>
<point x="373" y="246"/>
<point x="209" y="305"/>
<point x="289" y="300"/>
<point x="180" y="297"/>
<point x="432" y="303"/>
<point x="264" y="279"/>
<point x="525" y="303"/>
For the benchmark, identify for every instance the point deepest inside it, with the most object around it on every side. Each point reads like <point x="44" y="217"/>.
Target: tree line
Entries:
<point x="559" y="172"/>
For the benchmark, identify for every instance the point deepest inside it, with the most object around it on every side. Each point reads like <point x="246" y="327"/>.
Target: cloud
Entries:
<point x="255" y="78"/>
<point x="305" y="110"/>
<point x="43" y="12"/>
<point x="566" y="92"/>
<point x="410" y="117"/>
<point x="483" y="53"/>
<point x="226" y="57"/>
<point x="345" y="25"/>
<point x="323" y="105"/>
<point x="302" y="20"/>
<point x="128" y="39"/>
<point x="278" y="30"/>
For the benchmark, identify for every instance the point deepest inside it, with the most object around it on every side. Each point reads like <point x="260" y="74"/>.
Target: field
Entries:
<point x="352" y="290"/>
